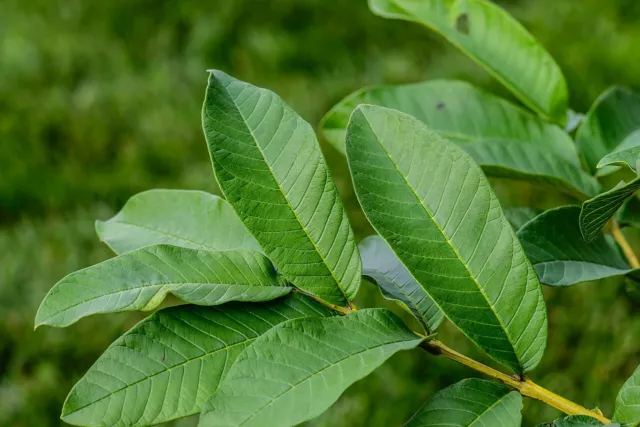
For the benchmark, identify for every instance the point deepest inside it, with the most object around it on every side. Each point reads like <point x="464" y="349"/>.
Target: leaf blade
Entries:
<point x="141" y="279"/>
<point x="326" y="356"/>
<point x="435" y="247"/>
<point x="627" y="409"/>
<point x="195" y="344"/>
<point x="269" y="165"/>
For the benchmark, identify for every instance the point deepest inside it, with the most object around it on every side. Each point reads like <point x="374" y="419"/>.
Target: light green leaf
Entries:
<point x="471" y="402"/>
<point x="560" y="255"/>
<point x="191" y="219"/>
<point x="596" y="212"/>
<point x="627" y="154"/>
<point x="576" y="421"/>
<point x="535" y="163"/>
<point x="611" y="120"/>
<point x="171" y="363"/>
<point x="628" y="401"/>
<point x="298" y="369"/>
<point x="427" y="198"/>
<point x="269" y="166"/>
<point x="456" y="110"/>
<point x="496" y="41"/>
<point x="519" y="216"/>
<point x="383" y="266"/>
<point x="140" y="280"/>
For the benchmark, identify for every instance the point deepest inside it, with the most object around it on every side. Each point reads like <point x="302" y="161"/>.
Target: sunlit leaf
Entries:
<point x="427" y="198"/>
<point x="140" y="280"/>
<point x="270" y="168"/>
<point x="191" y="219"/>
<point x="628" y="402"/>
<point x="561" y="256"/>
<point x="471" y="402"/>
<point x="298" y="369"/>
<point x="171" y="363"/>
<point x="380" y="264"/>
<point x="496" y="41"/>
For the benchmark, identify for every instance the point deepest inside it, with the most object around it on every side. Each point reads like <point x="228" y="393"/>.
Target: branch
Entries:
<point x="622" y="241"/>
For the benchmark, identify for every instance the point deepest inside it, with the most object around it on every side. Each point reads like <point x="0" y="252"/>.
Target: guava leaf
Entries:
<point x="269" y="166"/>
<point x="171" y="363"/>
<point x="628" y="401"/>
<point x="140" y="280"/>
<point x="432" y="204"/>
<point x="298" y="369"/>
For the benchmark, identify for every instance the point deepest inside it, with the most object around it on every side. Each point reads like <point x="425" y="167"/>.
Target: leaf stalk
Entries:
<point x="624" y="244"/>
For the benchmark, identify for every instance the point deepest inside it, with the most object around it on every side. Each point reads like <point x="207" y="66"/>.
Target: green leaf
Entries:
<point x="628" y="401"/>
<point x="536" y="163"/>
<point x="190" y="219"/>
<point x="519" y="216"/>
<point x="627" y="154"/>
<point x="611" y="120"/>
<point x="140" y="280"/>
<point x="171" y="363"/>
<point x="596" y="212"/>
<point x="298" y="369"/>
<point x="629" y="213"/>
<point x="560" y="255"/>
<point x="269" y="166"/>
<point x="576" y="421"/>
<point x="383" y="266"/>
<point x="428" y="199"/>
<point x="456" y="110"/>
<point x="496" y="41"/>
<point x="471" y="402"/>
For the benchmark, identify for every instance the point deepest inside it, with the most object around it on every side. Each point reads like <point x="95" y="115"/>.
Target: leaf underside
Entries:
<point x="171" y="363"/>
<point x="297" y="370"/>
<point x="561" y="256"/>
<point x="380" y="264"/>
<point x="471" y="402"/>
<point x="141" y="279"/>
<point x="269" y="166"/>
<point x="496" y="41"/>
<point x="431" y="203"/>
<point x="628" y="401"/>
<point x="186" y="218"/>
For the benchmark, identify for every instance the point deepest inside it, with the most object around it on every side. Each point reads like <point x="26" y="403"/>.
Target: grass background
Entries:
<point x="100" y="100"/>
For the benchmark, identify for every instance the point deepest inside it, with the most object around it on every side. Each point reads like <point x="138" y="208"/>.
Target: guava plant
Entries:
<point x="268" y="333"/>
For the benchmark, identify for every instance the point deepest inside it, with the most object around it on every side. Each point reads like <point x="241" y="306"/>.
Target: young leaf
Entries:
<point x="141" y="279"/>
<point x="535" y="163"/>
<point x="496" y="41"/>
<point x="600" y="209"/>
<point x="611" y="120"/>
<point x="298" y="369"/>
<point x="383" y="266"/>
<point x="576" y="421"/>
<point x="456" y="110"/>
<point x="190" y="219"/>
<point x="628" y="402"/>
<point x="427" y="198"/>
<point x="560" y="255"/>
<point x="269" y="166"/>
<point x="169" y="364"/>
<point x="471" y="402"/>
<point x="518" y="216"/>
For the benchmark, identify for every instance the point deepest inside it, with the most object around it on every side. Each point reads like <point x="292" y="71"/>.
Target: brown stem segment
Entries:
<point x="525" y="386"/>
<point x="622" y="241"/>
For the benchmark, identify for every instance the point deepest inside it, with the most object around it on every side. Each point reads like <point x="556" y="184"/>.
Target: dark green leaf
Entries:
<point x="629" y="213"/>
<point x="576" y="421"/>
<point x="269" y="166"/>
<point x="383" y="266"/>
<point x="496" y="41"/>
<point x="191" y="219"/>
<point x="628" y="401"/>
<point x="140" y="280"/>
<point x="169" y="364"/>
<point x="298" y="369"/>
<point x="519" y="216"/>
<point x="471" y="402"/>
<point x="561" y="256"/>
<point x="427" y="198"/>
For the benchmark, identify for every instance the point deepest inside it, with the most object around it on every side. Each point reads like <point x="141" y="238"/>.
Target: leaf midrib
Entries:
<point x="450" y="244"/>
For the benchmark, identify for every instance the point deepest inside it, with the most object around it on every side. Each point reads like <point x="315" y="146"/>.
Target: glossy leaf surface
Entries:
<point x="140" y="280"/>
<point x="432" y="204"/>
<point x="169" y="364"/>
<point x="298" y="369"/>
<point x="269" y="166"/>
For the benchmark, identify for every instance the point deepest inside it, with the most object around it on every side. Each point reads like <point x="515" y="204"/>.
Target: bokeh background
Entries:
<point x="101" y="99"/>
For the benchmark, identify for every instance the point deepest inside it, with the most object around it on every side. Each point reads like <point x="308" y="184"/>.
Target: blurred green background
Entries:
<point x="101" y="99"/>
